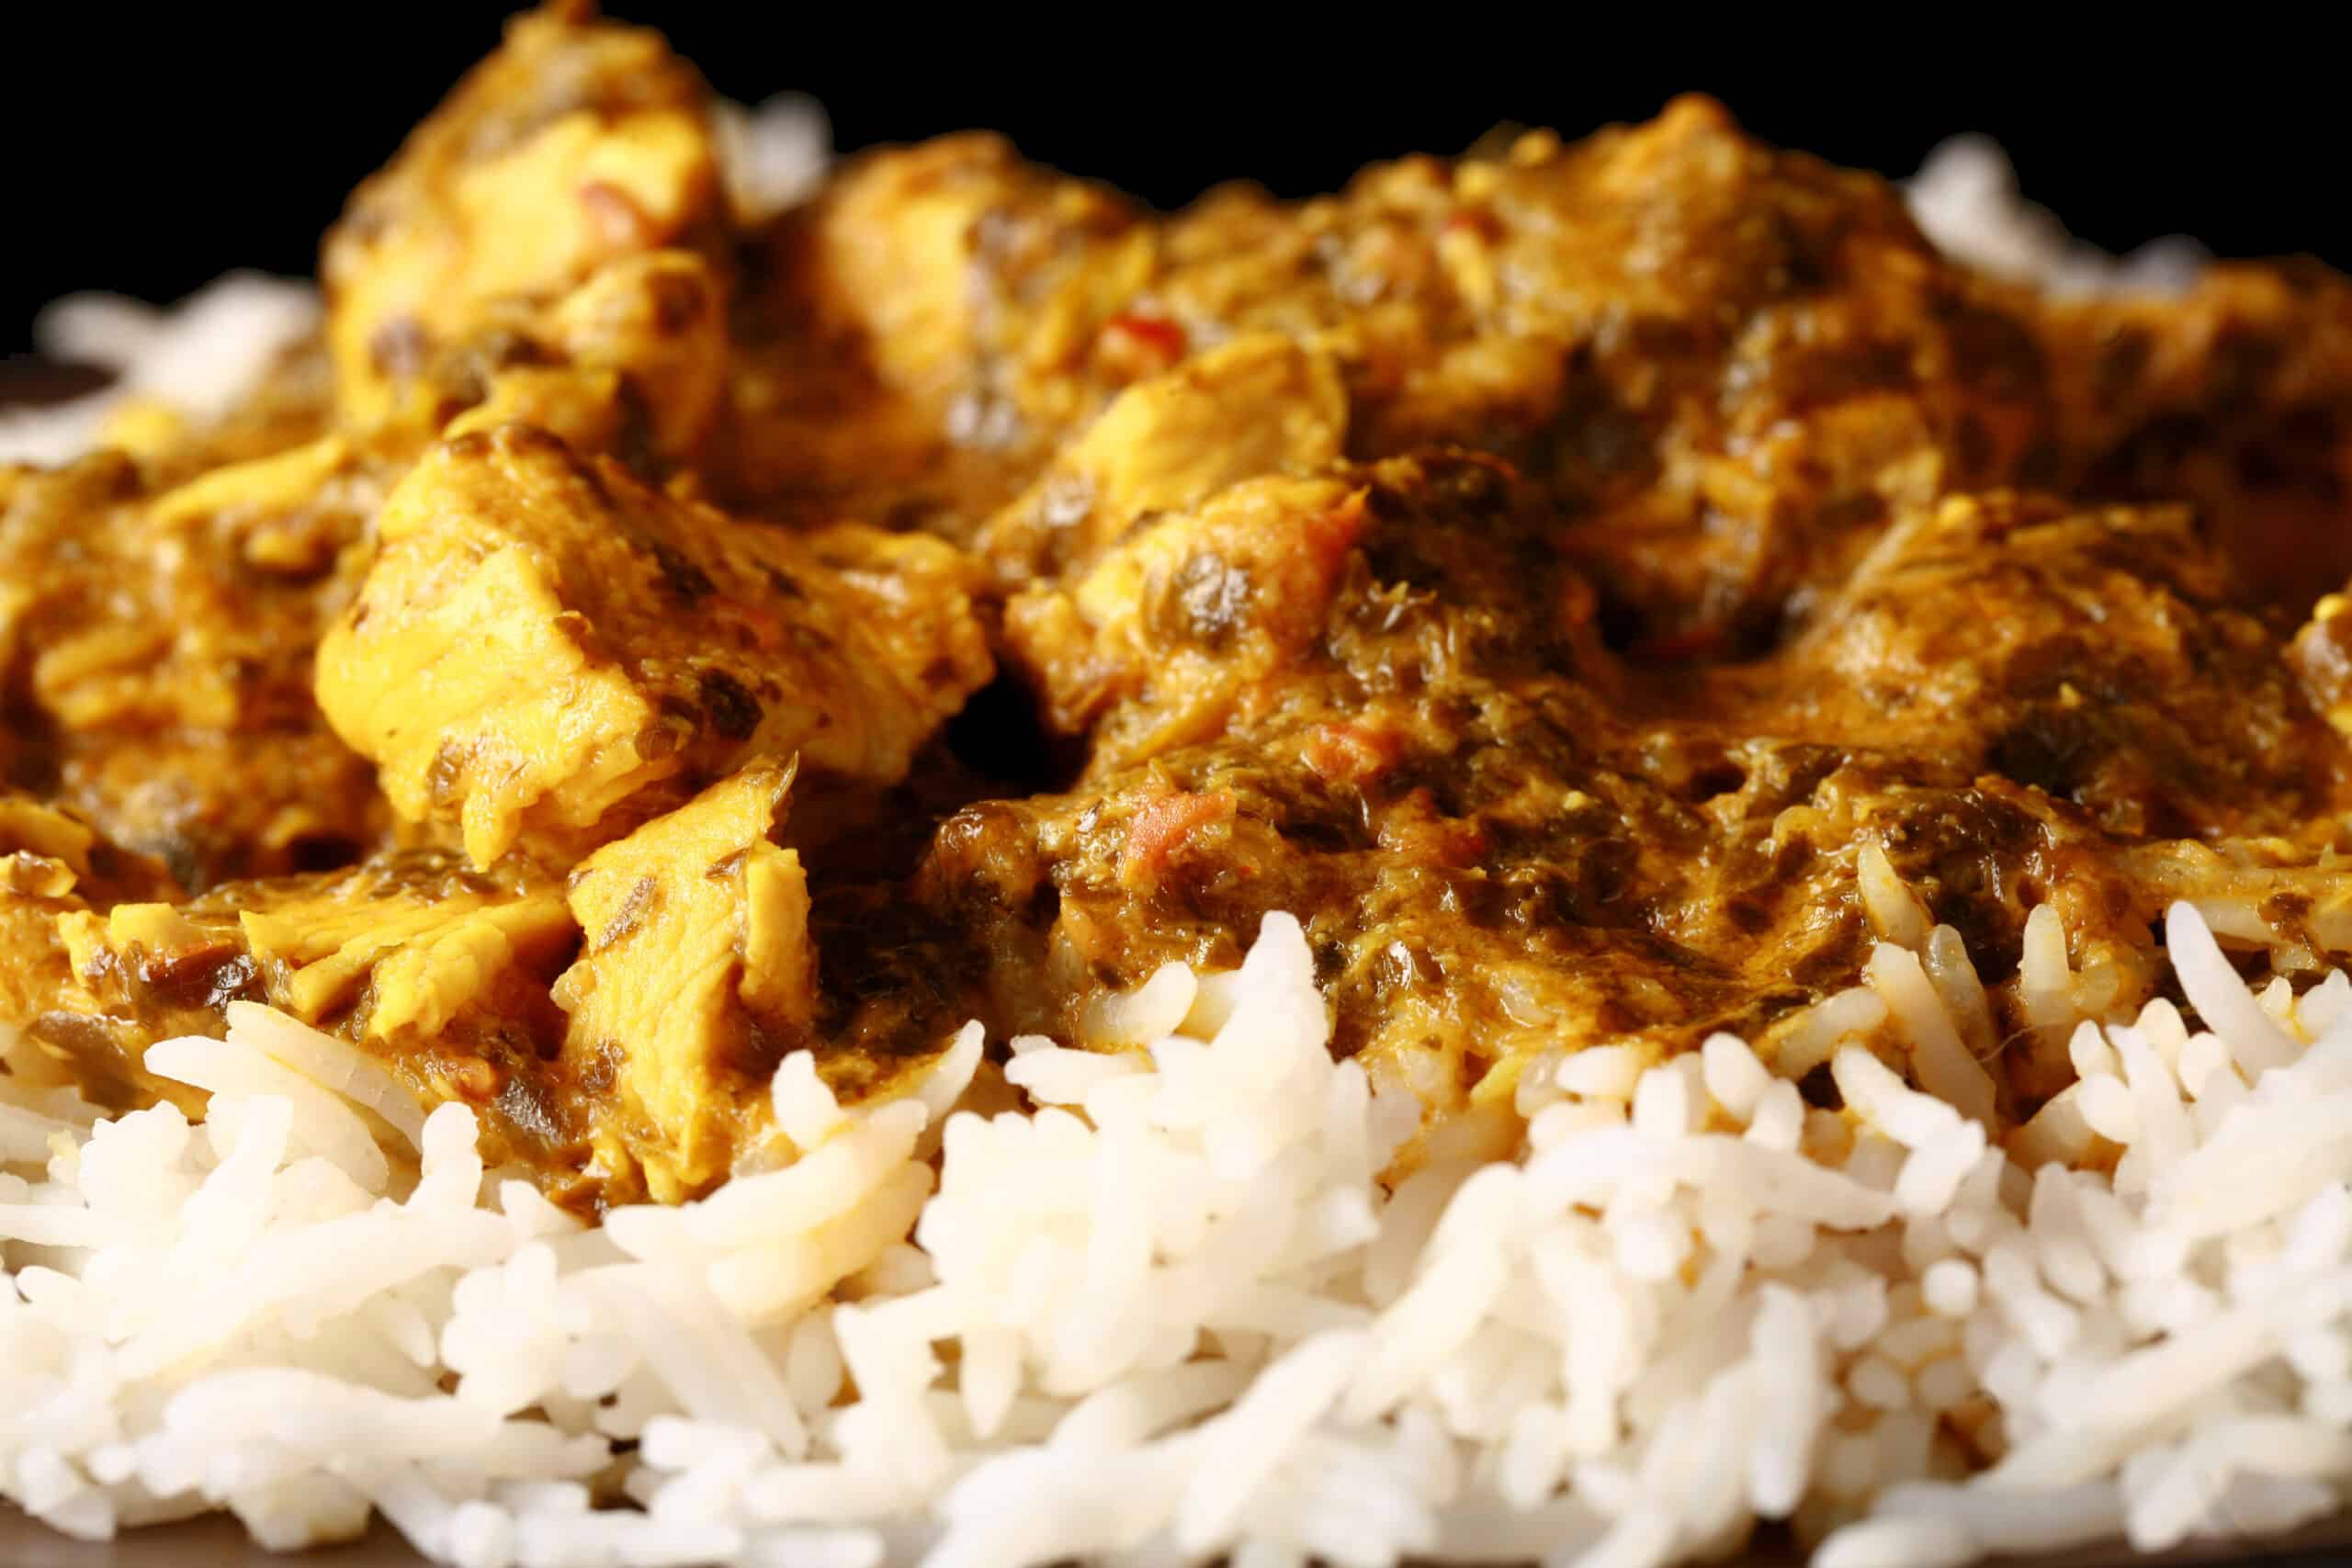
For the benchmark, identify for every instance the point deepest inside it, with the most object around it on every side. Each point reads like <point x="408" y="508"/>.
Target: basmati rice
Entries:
<point x="201" y="357"/>
<point x="1178" y="1315"/>
<point x="1965" y="199"/>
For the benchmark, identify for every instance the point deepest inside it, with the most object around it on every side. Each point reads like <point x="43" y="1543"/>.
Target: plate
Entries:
<point x="217" y="1542"/>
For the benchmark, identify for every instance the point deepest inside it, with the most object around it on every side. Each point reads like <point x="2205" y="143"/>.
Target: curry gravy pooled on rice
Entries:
<point x="1571" y="850"/>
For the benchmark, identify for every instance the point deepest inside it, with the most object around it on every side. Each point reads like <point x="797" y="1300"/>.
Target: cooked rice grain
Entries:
<point x="1179" y="1316"/>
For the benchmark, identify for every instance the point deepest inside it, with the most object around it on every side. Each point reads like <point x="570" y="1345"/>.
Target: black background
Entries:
<point x="146" y="150"/>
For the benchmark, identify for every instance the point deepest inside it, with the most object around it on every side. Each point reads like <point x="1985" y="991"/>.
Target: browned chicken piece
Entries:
<point x="2092" y="654"/>
<point x="53" y="864"/>
<point x="633" y="363"/>
<point x="1727" y="364"/>
<point x="546" y="650"/>
<point x="632" y="1061"/>
<point x="441" y="972"/>
<point x="2236" y="397"/>
<point x="155" y="656"/>
<point x="970" y="276"/>
<point x="573" y="146"/>
<point x="1185" y="620"/>
<point x="1371" y="579"/>
<point x="635" y="1061"/>
<point x="1260" y="405"/>
<point x="548" y="248"/>
<point x="695" y="978"/>
<point x="881" y="326"/>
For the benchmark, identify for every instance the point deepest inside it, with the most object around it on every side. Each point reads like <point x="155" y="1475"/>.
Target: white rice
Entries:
<point x="201" y="357"/>
<point x="1169" y="1311"/>
<point x="1965" y="199"/>
<point x="773" y="155"/>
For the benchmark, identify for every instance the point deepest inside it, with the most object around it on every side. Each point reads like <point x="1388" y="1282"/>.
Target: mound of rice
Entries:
<point x="1965" y="199"/>
<point x="1168" y="1311"/>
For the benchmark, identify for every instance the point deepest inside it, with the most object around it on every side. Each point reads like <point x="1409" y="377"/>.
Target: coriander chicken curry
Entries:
<point x="640" y="639"/>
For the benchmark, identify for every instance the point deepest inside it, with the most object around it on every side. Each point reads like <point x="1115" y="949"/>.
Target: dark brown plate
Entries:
<point x="217" y="1542"/>
<point x="26" y="380"/>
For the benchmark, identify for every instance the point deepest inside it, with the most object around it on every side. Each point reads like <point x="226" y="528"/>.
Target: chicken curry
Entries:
<point x="638" y="641"/>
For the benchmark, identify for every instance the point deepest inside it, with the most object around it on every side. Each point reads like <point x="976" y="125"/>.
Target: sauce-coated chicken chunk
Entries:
<point x="546" y="652"/>
<point x="155" y="656"/>
<point x="695" y="977"/>
<point x="569" y="148"/>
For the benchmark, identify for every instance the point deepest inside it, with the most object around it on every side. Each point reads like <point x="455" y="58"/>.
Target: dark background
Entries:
<point x="148" y="148"/>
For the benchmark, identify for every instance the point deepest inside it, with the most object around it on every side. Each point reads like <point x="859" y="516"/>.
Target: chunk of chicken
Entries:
<point x="440" y="972"/>
<point x="2236" y="397"/>
<point x="52" y="864"/>
<point x="1185" y="617"/>
<point x="1261" y="405"/>
<point x="2090" y="654"/>
<point x="155" y="651"/>
<point x="1728" y="363"/>
<point x="696" y="977"/>
<point x="972" y="277"/>
<point x="632" y="362"/>
<point x="910" y="345"/>
<point x="546" y="649"/>
<point x="574" y="144"/>
<point x="1370" y="578"/>
<point x="633" y="1061"/>
<point x="405" y="959"/>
